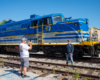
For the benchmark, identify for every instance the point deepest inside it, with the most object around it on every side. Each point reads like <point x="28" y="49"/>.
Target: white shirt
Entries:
<point x="23" y="48"/>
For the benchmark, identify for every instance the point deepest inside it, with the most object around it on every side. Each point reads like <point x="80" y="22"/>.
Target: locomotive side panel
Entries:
<point x="54" y="39"/>
<point x="16" y="40"/>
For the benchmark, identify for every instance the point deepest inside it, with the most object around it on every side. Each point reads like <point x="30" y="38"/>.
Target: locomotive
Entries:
<point x="49" y="33"/>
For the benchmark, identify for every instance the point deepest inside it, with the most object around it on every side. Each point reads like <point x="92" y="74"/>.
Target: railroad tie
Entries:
<point x="90" y="72"/>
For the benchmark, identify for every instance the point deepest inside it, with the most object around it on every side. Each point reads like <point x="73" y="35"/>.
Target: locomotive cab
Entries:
<point x="57" y="18"/>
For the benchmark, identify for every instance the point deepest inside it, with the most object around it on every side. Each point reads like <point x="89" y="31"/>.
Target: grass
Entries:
<point x="2" y="63"/>
<point x="54" y="70"/>
<point x="85" y="78"/>
<point x="99" y="77"/>
<point x="44" y="70"/>
<point x="76" y="74"/>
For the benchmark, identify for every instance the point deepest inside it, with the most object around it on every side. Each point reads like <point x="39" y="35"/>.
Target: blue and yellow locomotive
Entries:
<point x="48" y="33"/>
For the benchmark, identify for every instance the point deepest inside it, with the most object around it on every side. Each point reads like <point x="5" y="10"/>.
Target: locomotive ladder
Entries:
<point x="40" y="38"/>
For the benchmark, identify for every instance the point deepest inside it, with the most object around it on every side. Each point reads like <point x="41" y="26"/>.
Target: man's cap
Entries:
<point x="24" y="39"/>
<point x="68" y="40"/>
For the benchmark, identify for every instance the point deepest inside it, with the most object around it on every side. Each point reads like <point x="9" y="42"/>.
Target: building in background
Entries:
<point x="94" y="34"/>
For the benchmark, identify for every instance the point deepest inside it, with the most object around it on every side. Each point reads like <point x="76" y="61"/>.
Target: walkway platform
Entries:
<point x="14" y="74"/>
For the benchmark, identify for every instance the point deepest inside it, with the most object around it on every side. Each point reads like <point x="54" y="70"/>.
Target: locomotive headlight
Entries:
<point x="86" y="21"/>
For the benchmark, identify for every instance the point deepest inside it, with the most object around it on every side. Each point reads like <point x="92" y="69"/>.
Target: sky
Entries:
<point x="22" y="9"/>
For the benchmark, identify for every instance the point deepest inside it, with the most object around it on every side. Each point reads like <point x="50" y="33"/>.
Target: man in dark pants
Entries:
<point x="69" y="52"/>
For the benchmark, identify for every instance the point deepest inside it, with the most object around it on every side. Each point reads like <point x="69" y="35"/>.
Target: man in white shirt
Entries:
<point x="24" y="55"/>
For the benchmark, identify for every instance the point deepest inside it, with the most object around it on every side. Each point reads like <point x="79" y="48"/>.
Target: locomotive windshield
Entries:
<point x="57" y="18"/>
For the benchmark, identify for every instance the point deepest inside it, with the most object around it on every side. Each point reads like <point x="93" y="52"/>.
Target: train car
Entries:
<point x="49" y="33"/>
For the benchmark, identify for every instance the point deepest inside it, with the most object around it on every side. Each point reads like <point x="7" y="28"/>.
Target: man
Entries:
<point x="24" y="55"/>
<point x="69" y="52"/>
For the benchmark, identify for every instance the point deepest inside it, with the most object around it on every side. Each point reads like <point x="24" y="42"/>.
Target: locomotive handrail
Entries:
<point x="81" y="35"/>
<point x="37" y="34"/>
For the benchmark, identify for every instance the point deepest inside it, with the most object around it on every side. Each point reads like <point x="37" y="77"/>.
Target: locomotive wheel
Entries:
<point x="97" y="52"/>
<point x="80" y="54"/>
<point x="59" y="54"/>
<point x="2" y="50"/>
<point x="46" y="53"/>
<point x="75" y="54"/>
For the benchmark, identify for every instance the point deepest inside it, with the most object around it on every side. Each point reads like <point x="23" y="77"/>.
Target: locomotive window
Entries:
<point x="76" y="24"/>
<point x="17" y="26"/>
<point x="9" y="27"/>
<point x="40" y="22"/>
<point x="33" y="23"/>
<point x="57" y="18"/>
<point x="47" y="21"/>
<point x="3" y="29"/>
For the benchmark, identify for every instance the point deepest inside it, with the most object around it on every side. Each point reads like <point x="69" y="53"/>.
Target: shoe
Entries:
<point x="21" y="74"/>
<point x="25" y="76"/>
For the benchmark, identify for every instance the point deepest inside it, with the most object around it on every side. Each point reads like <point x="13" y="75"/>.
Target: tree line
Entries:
<point x="3" y="22"/>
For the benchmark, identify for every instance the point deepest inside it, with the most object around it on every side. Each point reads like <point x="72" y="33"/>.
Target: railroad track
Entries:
<point x="64" y="69"/>
<point x="83" y="60"/>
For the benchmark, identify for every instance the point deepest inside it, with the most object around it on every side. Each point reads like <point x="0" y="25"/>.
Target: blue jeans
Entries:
<point x="71" y="58"/>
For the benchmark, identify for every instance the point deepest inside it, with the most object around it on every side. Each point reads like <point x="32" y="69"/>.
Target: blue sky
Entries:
<point x="22" y="9"/>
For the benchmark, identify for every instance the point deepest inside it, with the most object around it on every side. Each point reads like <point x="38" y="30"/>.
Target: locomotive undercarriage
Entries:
<point x="58" y="50"/>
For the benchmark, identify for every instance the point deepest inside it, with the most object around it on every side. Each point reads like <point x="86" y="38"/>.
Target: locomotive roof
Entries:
<point x="36" y="18"/>
<point x="40" y="17"/>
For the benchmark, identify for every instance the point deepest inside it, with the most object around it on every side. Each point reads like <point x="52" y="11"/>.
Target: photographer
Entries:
<point x="24" y="55"/>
